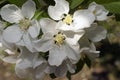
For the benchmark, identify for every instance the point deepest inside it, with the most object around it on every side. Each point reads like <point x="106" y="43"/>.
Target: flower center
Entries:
<point x="94" y="12"/>
<point x="24" y="24"/>
<point x="68" y="19"/>
<point x="59" y="38"/>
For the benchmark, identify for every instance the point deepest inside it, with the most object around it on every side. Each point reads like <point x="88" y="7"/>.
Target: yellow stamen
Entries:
<point x="68" y="19"/>
<point x="59" y="39"/>
<point x="25" y="24"/>
<point x="94" y="12"/>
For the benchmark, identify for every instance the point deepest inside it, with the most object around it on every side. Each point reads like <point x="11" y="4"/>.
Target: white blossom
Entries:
<point x="96" y="33"/>
<point x="24" y="29"/>
<point x="61" y="70"/>
<point x="99" y="11"/>
<point x="78" y="21"/>
<point x="61" y="45"/>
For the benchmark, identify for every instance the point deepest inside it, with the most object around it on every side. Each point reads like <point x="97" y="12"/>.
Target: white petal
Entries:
<point x="26" y="54"/>
<point x="28" y="42"/>
<point x="102" y="16"/>
<point x="100" y="11"/>
<point x="56" y="55"/>
<point x="34" y="30"/>
<point x="71" y="53"/>
<point x="71" y="66"/>
<point x="22" y="68"/>
<point x="20" y="43"/>
<point x="37" y="61"/>
<point x="82" y="19"/>
<point x="57" y="12"/>
<point x="11" y="13"/>
<point x="12" y="34"/>
<point x="7" y="45"/>
<point x="10" y="59"/>
<point x="84" y="42"/>
<point x="40" y="72"/>
<point x="92" y="6"/>
<point x="73" y="37"/>
<point x="28" y="9"/>
<point x="90" y="51"/>
<point x="96" y="33"/>
<point x="44" y="44"/>
<point x="61" y="70"/>
<point x="48" y="25"/>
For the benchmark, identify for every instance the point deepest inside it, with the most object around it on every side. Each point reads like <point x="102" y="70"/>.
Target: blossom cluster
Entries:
<point x="50" y="45"/>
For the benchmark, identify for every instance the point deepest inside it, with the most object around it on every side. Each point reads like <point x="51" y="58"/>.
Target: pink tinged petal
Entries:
<point x="48" y="25"/>
<point x="12" y="34"/>
<point x="28" y="42"/>
<point x="57" y="55"/>
<point x="83" y="19"/>
<point x="11" y="13"/>
<point x="44" y="44"/>
<point x="28" y="9"/>
<point x="34" y="30"/>
<point x="57" y="12"/>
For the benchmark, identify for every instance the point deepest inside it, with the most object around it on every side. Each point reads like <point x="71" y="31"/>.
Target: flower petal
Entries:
<point x="96" y="33"/>
<point x="12" y="34"/>
<point x="40" y="72"/>
<point x="44" y="44"/>
<point x="73" y="37"/>
<point x="11" y="13"/>
<point x="34" y="30"/>
<point x="99" y="11"/>
<point x="10" y="59"/>
<point x="71" y="66"/>
<point x="7" y="45"/>
<point x="48" y="25"/>
<point x="22" y="68"/>
<point x="90" y="52"/>
<point x="28" y="42"/>
<point x="57" y="12"/>
<point x="56" y="55"/>
<point x="82" y="19"/>
<point x="61" y="70"/>
<point x="28" y="9"/>
<point x="72" y="54"/>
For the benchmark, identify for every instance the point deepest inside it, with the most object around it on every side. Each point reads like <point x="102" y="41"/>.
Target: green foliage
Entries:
<point x="103" y="1"/>
<point x="113" y="7"/>
<point x="17" y="2"/>
<point x="75" y="3"/>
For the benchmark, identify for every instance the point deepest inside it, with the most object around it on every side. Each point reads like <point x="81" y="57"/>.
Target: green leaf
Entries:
<point x="75" y="3"/>
<point x="103" y="1"/>
<point x="17" y="2"/>
<point x="113" y="7"/>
